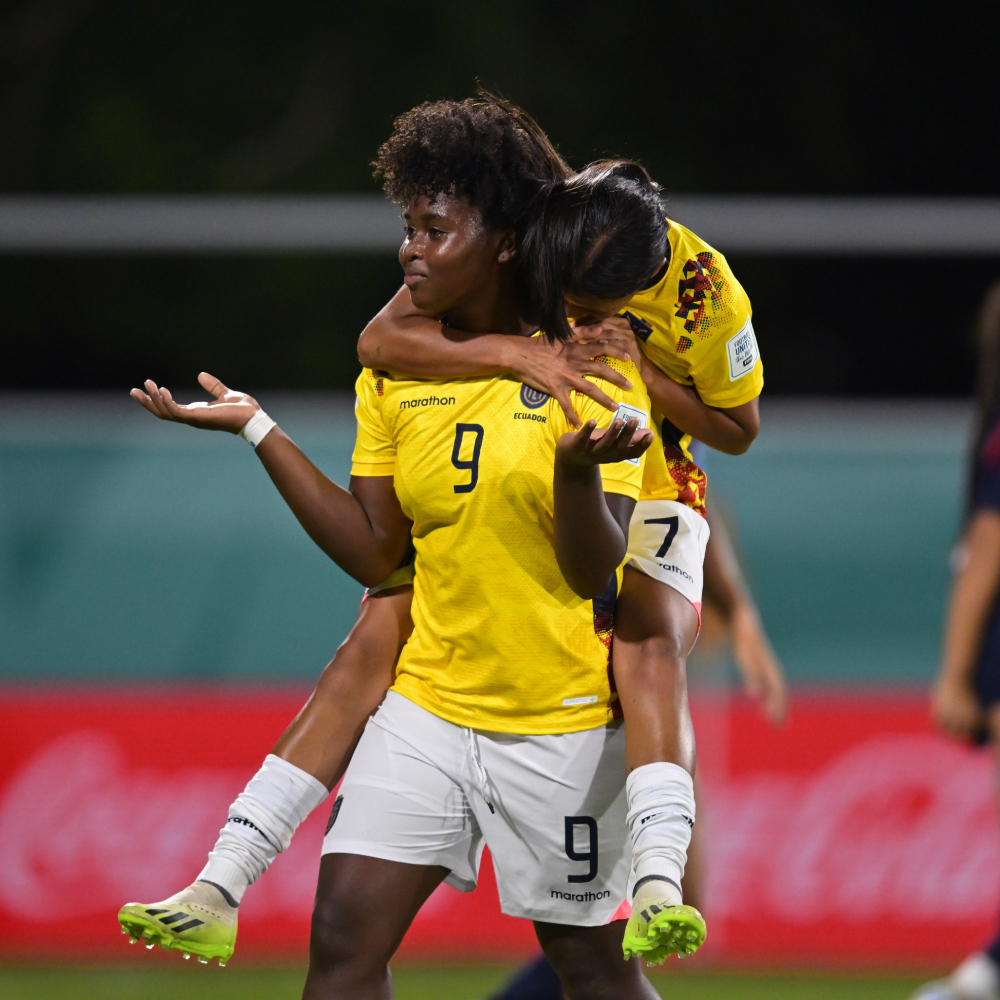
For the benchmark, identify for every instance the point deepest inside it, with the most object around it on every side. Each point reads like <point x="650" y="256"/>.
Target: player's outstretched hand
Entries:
<point x="763" y="678"/>
<point x="229" y="411"/>
<point x="558" y="368"/>
<point x="956" y="709"/>
<point x="589" y="446"/>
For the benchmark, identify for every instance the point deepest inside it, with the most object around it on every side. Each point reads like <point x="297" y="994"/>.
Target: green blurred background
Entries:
<point x="136" y="550"/>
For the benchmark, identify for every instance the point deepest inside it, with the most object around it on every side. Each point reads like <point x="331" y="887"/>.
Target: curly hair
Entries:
<point x="484" y="150"/>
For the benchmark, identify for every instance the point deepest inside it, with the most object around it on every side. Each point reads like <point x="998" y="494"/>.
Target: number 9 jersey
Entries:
<point x="500" y="641"/>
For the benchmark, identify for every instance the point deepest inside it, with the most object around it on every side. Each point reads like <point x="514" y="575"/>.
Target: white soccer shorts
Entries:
<point x="666" y="540"/>
<point x="419" y="790"/>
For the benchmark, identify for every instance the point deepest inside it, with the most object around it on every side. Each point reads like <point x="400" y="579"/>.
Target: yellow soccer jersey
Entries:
<point x="500" y="641"/>
<point x="694" y="324"/>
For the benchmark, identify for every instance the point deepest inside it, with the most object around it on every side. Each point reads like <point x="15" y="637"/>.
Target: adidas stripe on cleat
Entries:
<point x="200" y="920"/>
<point x="655" y="932"/>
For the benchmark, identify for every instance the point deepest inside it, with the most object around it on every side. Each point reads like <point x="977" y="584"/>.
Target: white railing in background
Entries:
<point x="360" y="223"/>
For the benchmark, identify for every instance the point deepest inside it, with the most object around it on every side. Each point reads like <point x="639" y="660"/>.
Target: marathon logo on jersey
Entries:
<point x="743" y="353"/>
<point x="642" y="328"/>
<point x="411" y="404"/>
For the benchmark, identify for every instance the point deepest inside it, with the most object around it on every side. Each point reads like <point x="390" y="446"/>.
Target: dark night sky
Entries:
<point x="770" y="97"/>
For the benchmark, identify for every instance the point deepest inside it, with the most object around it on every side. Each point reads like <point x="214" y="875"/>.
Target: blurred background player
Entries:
<point x="730" y="616"/>
<point x="966" y="696"/>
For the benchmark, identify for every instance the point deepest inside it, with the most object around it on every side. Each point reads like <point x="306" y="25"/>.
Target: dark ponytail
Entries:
<point x="600" y="233"/>
<point x="987" y="376"/>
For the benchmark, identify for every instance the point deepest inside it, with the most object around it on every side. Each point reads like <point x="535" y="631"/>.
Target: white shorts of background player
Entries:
<point x="419" y="790"/>
<point x="666" y="540"/>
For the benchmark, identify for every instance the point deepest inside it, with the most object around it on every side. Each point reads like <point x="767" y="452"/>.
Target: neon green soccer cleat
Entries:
<point x="198" y="921"/>
<point x="656" y="932"/>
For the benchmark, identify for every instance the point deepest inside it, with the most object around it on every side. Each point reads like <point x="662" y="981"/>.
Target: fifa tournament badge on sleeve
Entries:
<point x="743" y="352"/>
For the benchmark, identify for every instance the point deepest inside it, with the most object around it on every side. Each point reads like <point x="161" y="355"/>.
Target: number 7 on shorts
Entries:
<point x="671" y="523"/>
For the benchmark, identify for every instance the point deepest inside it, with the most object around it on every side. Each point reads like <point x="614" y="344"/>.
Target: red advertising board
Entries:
<point x="851" y="835"/>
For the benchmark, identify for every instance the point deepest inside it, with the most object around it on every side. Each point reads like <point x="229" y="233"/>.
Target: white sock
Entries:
<point x="660" y="800"/>
<point x="977" y="978"/>
<point x="261" y="823"/>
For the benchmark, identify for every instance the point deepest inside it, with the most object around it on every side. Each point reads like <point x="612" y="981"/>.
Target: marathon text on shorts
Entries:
<point x="580" y="897"/>
<point x="676" y="569"/>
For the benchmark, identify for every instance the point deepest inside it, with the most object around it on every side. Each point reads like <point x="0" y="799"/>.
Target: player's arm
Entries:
<point x="591" y="526"/>
<point x="363" y="529"/>
<point x="973" y="597"/>
<point x="726" y="589"/>
<point x="728" y="429"/>
<point x="406" y="341"/>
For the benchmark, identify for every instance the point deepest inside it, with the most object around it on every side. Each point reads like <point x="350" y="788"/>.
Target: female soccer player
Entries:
<point x="310" y="757"/>
<point x="366" y="540"/>
<point x="966" y="697"/>
<point x="700" y="362"/>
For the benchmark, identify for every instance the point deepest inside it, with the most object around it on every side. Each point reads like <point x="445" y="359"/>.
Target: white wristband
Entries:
<point x="257" y="427"/>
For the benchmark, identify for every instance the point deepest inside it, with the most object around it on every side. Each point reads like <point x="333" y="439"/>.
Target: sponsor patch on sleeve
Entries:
<point x="743" y="353"/>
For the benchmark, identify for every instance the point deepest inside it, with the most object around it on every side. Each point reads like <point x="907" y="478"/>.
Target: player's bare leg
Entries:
<point x="589" y="962"/>
<point x="307" y="761"/>
<point x="363" y="908"/>
<point x="655" y="628"/>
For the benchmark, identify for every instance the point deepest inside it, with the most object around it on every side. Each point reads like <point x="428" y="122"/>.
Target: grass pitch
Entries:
<point x="412" y="983"/>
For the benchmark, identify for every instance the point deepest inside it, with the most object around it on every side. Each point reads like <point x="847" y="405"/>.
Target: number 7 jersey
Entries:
<point x="694" y="324"/>
<point x="500" y="641"/>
